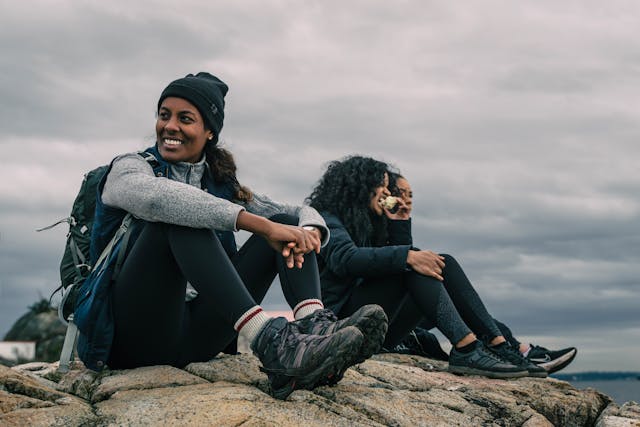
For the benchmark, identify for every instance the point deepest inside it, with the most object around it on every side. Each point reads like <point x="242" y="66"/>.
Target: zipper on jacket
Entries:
<point x="188" y="176"/>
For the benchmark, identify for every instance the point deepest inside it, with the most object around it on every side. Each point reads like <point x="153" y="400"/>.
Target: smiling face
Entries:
<point x="380" y="193"/>
<point x="180" y="131"/>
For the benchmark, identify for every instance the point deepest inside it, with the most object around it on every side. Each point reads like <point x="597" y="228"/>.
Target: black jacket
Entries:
<point x="344" y="265"/>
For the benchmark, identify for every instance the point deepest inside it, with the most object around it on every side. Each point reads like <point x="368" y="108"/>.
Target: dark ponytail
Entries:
<point x="223" y="167"/>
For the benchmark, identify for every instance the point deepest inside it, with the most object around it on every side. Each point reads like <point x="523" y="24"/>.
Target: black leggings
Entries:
<point x="154" y="325"/>
<point x="504" y="329"/>
<point x="409" y="297"/>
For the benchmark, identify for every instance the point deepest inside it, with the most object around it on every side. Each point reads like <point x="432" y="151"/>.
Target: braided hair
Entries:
<point x="223" y="167"/>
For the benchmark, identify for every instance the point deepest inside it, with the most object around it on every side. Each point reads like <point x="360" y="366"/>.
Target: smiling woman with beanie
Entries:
<point x="187" y="202"/>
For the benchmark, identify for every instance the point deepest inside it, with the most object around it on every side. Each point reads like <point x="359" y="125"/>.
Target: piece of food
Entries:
<point x="390" y="204"/>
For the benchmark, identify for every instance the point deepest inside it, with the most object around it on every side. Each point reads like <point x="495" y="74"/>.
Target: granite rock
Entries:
<point x="389" y="390"/>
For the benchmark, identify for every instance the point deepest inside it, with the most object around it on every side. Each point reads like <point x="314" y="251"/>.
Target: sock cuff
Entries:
<point x="251" y="323"/>
<point x="469" y="347"/>
<point x="502" y="344"/>
<point x="306" y="307"/>
<point x="246" y="317"/>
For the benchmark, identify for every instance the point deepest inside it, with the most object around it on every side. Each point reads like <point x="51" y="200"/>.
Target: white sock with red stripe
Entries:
<point x="306" y="307"/>
<point x="251" y="322"/>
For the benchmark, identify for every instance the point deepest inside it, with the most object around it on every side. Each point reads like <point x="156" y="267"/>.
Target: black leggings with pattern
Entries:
<point x="452" y="305"/>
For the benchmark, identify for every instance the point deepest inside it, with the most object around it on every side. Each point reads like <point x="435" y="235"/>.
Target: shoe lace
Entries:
<point x="538" y="348"/>
<point x="283" y="341"/>
<point x="325" y="315"/>
<point x="291" y="337"/>
<point x="400" y="348"/>
<point x="417" y="345"/>
<point x="485" y="351"/>
<point x="320" y="322"/>
<point x="515" y="354"/>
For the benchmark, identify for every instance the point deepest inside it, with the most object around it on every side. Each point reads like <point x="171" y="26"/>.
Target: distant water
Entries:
<point x="620" y="391"/>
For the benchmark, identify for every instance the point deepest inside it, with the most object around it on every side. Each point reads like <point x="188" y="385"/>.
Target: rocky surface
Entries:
<point x="391" y="390"/>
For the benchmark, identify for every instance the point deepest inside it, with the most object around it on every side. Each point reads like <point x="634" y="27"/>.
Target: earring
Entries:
<point x="210" y="137"/>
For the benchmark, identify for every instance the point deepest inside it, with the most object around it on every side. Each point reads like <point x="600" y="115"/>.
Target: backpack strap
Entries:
<point x="160" y="168"/>
<point x="65" y="295"/>
<point x="79" y="260"/>
<point x="150" y="158"/>
<point x="125" y="227"/>
<point x="68" y="346"/>
<point x="126" y="233"/>
<point x="69" y="220"/>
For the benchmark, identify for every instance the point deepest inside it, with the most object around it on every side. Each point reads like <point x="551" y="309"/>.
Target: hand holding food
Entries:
<point x="390" y="204"/>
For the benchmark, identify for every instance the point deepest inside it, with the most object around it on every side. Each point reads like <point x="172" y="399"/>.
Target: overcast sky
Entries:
<point x="517" y="124"/>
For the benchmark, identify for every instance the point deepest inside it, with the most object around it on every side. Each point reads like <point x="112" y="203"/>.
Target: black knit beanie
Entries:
<point x="206" y="92"/>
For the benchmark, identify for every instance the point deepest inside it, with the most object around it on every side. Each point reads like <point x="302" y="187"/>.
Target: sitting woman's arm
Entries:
<point x="132" y="186"/>
<point x="399" y="232"/>
<point x="342" y="256"/>
<point x="308" y="216"/>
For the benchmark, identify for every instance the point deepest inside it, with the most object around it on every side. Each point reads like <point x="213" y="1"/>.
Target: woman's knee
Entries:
<point x="447" y="258"/>
<point x="174" y="230"/>
<point x="188" y="238"/>
<point x="421" y="286"/>
<point x="166" y="228"/>
<point x="420" y="279"/>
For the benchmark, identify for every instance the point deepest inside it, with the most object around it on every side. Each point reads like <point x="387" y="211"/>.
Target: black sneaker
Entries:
<point x="370" y="319"/>
<point x="421" y="342"/>
<point x="294" y="361"/>
<point x="509" y="353"/>
<point x="551" y="360"/>
<point x="481" y="361"/>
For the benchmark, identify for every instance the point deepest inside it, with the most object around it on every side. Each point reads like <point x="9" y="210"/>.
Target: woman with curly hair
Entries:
<point x="420" y="341"/>
<point x="369" y="259"/>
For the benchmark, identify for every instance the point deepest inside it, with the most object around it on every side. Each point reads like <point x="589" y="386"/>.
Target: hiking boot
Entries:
<point x="293" y="360"/>
<point x="481" y="361"/>
<point x="370" y="319"/>
<point x="509" y="353"/>
<point x="551" y="360"/>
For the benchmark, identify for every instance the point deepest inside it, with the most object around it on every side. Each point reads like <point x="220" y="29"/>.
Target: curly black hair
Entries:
<point x="346" y="189"/>
<point x="393" y="183"/>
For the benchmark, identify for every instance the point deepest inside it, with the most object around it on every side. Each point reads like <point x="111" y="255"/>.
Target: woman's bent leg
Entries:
<point x="153" y="323"/>
<point x="388" y="293"/>
<point x="507" y="334"/>
<point x="399" y="295"/>
<point x="404" y="320"/>
<point x="467" y="300"/>
<point x="258" y="263"/>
